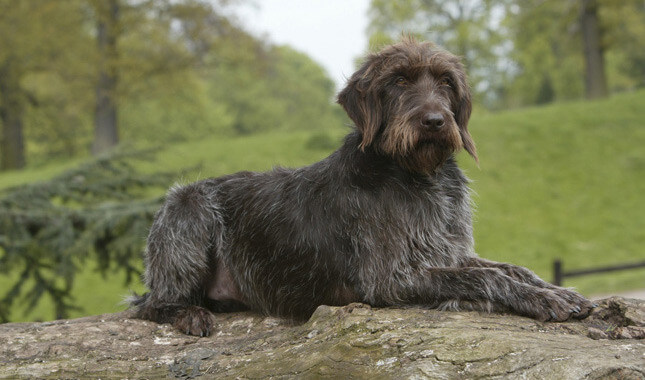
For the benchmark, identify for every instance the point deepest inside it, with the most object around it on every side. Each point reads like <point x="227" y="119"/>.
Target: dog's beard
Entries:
<point x="418" y="150"/>
<point x="426" y="158"/>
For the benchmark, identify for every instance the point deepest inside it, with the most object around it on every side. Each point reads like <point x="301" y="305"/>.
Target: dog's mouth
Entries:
<point x="441" y="141"/>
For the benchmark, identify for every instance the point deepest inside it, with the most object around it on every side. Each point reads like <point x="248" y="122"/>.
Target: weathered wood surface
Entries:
<point x="349" y="342"/>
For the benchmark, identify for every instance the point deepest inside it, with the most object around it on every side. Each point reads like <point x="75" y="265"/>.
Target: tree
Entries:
<point x="126" y="57"/>
<point x="174" y="70"/>
<point x="105" y="114"/>
<point x="275" y="88"/>
<point x="595" y="78"/>
<point x="545" y="55"/>
<point x="580" y="47"/>
<point x="622" y="23"/>
<point x="34" y="36"/>
<point x="12" y="108"/>
<point x="49" y="229"/>
<point x="526" y="52"/>
<point x="303" y="88"/>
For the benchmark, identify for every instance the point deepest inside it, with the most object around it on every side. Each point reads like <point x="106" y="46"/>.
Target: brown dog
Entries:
<point x="384" y="220"/>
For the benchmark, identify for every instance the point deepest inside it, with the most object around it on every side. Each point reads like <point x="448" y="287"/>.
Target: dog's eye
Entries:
<point x="400" y="81"/>
<point x="445" y="81"/>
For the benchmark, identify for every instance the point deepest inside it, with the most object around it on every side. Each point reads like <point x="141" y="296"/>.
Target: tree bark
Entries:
<point x="12" y="145"/>
<point x="105" y="117"/>
<point x="353" y="342"/>
<point x="595" y="79"/>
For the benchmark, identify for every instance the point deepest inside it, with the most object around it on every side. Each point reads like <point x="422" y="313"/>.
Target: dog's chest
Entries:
<point x="429" y="225"/>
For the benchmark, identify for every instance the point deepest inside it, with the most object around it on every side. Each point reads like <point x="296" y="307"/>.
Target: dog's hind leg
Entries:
<point x="180" y="259"/>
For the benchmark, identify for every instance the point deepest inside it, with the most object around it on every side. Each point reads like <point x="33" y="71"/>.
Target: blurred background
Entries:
<point x="106" y="103"/>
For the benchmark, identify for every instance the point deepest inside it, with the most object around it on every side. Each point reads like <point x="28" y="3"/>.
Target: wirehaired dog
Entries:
<point x="384" y="220"/>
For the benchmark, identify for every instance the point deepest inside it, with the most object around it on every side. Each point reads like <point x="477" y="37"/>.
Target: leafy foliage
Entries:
<point x="521" y="52"/>
<point x="548" y="48"/>
<point x="48" y="230"/>
<point x="29" y="45"/>
<point x="184" y="70"/>
<point x="289" y="92"/>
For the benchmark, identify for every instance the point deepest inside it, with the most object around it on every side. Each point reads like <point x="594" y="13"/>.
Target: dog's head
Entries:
<point x="411" y="101"/>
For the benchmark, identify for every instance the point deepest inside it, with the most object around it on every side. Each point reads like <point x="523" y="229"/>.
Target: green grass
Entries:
<point x="562" y="181"/>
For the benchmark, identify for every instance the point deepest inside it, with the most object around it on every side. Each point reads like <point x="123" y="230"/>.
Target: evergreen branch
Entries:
<point x="97" y="211"/>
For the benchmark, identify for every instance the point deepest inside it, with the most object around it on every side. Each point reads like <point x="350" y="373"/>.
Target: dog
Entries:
<point x="384" y="220"/>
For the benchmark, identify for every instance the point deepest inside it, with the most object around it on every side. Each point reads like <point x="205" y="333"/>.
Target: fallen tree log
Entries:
<point x="354" y="341"/>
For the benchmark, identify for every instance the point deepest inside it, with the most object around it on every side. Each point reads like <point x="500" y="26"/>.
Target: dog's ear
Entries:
<point x="462" y="109"/>
<point x="361" y="103"/>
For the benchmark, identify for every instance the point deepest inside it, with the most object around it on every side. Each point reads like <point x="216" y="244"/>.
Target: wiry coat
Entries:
<point x="386" y="219"/>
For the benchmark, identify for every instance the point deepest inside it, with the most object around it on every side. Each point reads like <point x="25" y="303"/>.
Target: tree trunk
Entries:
<point x="351" y="342"/>
<point x="12" y="145"/>
<point x="595" y="80"/>
<point x="105" y="116"/>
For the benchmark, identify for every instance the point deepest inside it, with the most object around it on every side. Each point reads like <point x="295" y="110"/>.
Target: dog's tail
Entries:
<point x="144" y="308"/>
<point x="134" y="301"/>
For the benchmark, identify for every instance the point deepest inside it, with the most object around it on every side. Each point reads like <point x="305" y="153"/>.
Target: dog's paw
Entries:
<point x="194" y="320"/>
<point x="580" y="305"/>
<point x="558" y="305"/>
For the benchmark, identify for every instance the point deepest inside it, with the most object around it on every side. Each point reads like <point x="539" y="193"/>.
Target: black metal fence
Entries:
<point x="559" y="274"/>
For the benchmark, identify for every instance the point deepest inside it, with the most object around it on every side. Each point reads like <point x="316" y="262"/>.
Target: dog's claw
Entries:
<point x="576" y="309"/>
<point x="553" y="315"/>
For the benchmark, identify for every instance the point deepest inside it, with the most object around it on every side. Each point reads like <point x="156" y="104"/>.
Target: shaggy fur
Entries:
<point x="384" y="220"/>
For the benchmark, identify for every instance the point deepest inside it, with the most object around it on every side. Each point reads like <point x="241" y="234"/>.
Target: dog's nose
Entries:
<point x="432" y="120"/>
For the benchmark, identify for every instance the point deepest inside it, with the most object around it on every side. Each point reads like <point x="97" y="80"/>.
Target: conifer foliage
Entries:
<point x="98" y="212"/>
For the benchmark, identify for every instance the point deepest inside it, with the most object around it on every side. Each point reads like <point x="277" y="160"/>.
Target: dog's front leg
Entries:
<point x="502" y="292"/>
<point x="526" y="276"/>
<point x="518" y="273"/>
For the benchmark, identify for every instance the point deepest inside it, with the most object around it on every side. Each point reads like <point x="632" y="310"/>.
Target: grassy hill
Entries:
<point x="562" y="181"/>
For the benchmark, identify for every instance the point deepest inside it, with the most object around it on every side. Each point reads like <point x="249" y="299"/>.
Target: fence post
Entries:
<point x="557" y="272"/>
